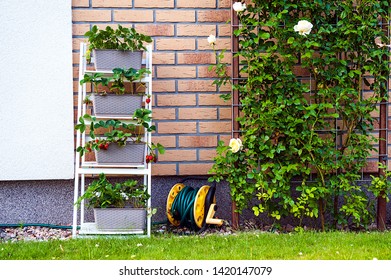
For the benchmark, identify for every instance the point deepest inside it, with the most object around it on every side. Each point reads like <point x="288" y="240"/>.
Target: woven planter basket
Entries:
<point x="130" y="154"/>
<point x="107" y="60"/>
<point x="120" y="219"/>
<point x="115" y="105"/>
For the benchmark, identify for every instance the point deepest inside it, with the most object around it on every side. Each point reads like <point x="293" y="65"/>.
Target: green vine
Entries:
<point x="315" y="72"/>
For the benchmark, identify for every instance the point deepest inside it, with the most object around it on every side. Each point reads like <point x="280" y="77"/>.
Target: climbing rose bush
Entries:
<point x="311" y="76"/>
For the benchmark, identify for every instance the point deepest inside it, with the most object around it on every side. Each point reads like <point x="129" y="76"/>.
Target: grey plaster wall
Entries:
<point x="51" y="201"/>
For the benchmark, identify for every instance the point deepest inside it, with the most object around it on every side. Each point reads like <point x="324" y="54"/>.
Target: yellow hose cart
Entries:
<point x="192" y="207"/>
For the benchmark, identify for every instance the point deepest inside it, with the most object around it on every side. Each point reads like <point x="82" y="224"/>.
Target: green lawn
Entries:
<point x="253" y="245"/>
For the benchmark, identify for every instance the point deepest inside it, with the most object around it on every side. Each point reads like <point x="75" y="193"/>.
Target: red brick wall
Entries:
<point x="189" y="115"/>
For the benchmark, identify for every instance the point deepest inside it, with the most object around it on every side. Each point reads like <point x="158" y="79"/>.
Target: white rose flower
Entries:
<point x="124" y="195"/>
<point x="212" y="39"/>
<point x="303" y="27"/>
<point x="235" y="144"/>
<point x="379" y="43"/>
<point x="239" y="7"/>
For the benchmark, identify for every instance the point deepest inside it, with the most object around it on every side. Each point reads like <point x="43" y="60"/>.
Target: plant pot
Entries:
<point x="116" y="105"/>
<point x="130" y="154"/>
<point x="120" y="219"/>
<point x="107" y="60"/>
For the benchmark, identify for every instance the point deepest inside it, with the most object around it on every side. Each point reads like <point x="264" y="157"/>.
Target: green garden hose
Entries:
<point x="182" y="207"/>
<point x="35" y="225"/>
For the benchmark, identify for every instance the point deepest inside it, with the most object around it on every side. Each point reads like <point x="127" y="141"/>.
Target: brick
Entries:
<point x="212" y="100"/>
<point x="196" y="4"/>
<point x="213" y="15"/>
<point x="177" y="100"/>
<point x="163" y="86"/>
<point x="163" y="58"/>
<point x="215" y="127"/>
<point x="91" y="15"/>
<point x="133" y="15"/>
<point x="176" y="127"/>
<point x="80" y="3"/>
<point x="197" y="113"/>
<point x="196" y="29"/>
<point x="76" y="43"/>
<point x="155" y="29"/>
<point x="197" y="141"/>
<point x="164" y="114"/>
<point x="196" y="58"/>
<point x="221" y="43"/>
<point x="175" y="16"/>
<point x="159" y="169"/>
<point x="75" y="68"/>
<point x="175" y="44"/>
<point x="195" y="85"/>
<point x="176" y="71"/>
<point x="224" y="29"/>
<point x="227" y="57"/>
<point x="166" y="141"/>
<point x="225" y="113"/>
<point x="154" y="3"/>
<point x="194" y="169"/>
<point x="111" y="3"/>
<point x="203" y="72"/>
<point x="224" y="3"/>
<point x="371" y="167"/>
<point x="75" y="60"/>
<point x="179" y="155"/>
<point x="207" y="154"/>
<point x="225" y="139"/>
<point x="80" y="29"/>
<point x="225" y="88"/>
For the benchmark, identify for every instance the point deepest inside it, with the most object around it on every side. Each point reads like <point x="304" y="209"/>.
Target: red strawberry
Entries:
<point x="96" y="140"/>
<point x="106" y="146"/>
<point x="148" y="100"/>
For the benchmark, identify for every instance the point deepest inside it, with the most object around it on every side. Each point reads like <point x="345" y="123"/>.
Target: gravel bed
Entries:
<point x="41" y="233"/>
<point x="33" y="233"/>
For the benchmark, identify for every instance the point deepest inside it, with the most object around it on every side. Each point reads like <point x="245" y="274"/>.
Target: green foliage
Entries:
<point x="381" y="185"/>
<point x="305" y="113"/>
<point x="118" y="132"/>
<point x="121" y="38"/>
<point x="118" y="79"/>
<point x="103" y="194"/>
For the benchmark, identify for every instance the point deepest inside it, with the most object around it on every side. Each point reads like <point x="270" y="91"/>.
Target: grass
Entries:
<point x="253" y="245"/>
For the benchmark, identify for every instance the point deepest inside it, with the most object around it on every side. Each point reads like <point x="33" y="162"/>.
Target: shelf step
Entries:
<point x="90" y="228"/>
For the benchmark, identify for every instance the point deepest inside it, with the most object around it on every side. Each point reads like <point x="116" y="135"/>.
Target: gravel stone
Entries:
<point x="33" y="233"/>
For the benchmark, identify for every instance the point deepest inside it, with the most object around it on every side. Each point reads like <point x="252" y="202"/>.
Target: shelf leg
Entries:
<point x="75" y="209"/>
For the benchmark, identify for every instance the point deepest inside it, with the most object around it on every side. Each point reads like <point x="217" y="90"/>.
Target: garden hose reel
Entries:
<point x="193" y="207"/>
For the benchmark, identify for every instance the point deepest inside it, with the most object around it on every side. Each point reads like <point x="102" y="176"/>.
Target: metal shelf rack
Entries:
<point x="84" y="167"/>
